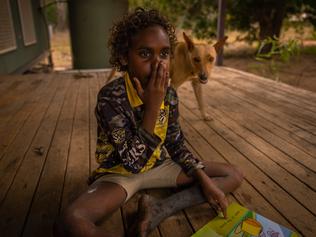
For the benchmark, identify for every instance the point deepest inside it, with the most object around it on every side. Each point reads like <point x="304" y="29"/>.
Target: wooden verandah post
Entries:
<point x="220" y="28"/>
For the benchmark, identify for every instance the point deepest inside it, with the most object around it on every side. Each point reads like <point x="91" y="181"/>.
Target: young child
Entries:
<point x="140" y="143"/>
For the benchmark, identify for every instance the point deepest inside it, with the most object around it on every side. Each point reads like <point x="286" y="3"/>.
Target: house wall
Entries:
<point x="17" y="59"/>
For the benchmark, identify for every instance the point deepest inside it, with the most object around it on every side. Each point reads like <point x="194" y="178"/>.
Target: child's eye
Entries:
<point x="144" y="53"/>
<point x="164" y="54"/>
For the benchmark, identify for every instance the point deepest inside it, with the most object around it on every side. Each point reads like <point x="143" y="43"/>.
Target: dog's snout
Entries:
<point x="203" y="76"/>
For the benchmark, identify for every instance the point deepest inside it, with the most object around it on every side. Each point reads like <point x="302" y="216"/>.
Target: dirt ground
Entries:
<point x="300" y="71"/>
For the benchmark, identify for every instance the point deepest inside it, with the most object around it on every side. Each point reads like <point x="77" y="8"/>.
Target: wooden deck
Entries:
<point x="48" y="136"/>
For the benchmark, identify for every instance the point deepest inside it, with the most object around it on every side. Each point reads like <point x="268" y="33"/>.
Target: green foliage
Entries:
<point x="200" y="16"/>
<point x="303" y="9"/>
<point x="51" y="14"/>
<point x="240" y="14"/>
<point x="172" y="9"/>
<point x="279" y="51"/>
<point x="284" y="51"/>
<point x="246" y="14"/>
<point x="314" y="35"/>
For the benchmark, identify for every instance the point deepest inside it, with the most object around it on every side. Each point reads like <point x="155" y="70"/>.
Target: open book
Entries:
<point x="242" y="222"/>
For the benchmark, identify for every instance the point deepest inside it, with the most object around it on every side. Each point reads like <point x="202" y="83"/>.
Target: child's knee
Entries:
<point x="68" y="221"/>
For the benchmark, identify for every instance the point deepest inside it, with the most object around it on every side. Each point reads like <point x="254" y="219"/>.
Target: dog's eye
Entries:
<point x="210" y="58"/>
<point x="196" y="60"/>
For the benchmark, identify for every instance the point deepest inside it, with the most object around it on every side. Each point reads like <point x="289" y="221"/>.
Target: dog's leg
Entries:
<point x="197" y="87"/>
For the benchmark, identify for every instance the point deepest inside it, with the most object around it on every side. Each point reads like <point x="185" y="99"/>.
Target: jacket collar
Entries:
<point x="132" y="95"/>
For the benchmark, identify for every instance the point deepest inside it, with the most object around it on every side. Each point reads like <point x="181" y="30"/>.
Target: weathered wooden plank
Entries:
<point x="289" y="90"/>
<point x="304" y="113"/>
<point x="18" y="110"/>
<point x="9" y="82"/>
<point x="15" y="207"/>
<point x="12" y="100"/>
<point x="46" y="202"/>
<point x="287" y="136"/>
<point x="12" y="159"/>
<point x="78" y="159"/>
<point x="304" y="119"/>
<point x="306" y="175"/>
<point x="291" y="124"/>
<point x="274" y="93"/>
<point x="283" y="201"/>
<point x="227" y="107"/>
<point x="240" y="108"/>
<point x="16" y="86"/>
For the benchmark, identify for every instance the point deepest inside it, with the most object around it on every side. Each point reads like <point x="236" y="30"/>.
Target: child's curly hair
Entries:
<point x="130" y="25"/>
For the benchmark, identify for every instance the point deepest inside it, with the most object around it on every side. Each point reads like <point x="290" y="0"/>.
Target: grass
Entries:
<point x="309" y="50"/>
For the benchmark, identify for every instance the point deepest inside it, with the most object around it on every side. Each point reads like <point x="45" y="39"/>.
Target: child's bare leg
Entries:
<point x="100" y="200"/>
<point x="152" y="211"/>
<point x="227" y="177"/>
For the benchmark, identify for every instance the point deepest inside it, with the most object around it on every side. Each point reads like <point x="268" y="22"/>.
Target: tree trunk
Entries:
<point x="270" y="18"/>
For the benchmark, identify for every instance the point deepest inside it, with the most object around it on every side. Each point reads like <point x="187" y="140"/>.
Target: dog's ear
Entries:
<point x="219" y="44"/>
<point x="188" y="42"/>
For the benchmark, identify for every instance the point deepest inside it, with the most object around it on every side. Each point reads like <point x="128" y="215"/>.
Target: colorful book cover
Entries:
<point x="242" y="222"/>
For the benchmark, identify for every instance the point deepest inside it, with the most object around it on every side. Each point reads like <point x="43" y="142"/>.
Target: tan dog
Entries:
<point x="192" y="62"/>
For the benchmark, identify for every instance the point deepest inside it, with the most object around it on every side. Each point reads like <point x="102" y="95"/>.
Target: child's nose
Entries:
<point x="158" y="59"/>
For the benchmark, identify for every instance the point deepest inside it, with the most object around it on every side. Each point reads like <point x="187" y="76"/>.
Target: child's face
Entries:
<point x="149" y="46"/>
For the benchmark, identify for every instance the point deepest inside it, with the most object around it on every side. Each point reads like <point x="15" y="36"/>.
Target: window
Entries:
<point x="27" y="22"/>
<point x="7" y="33"/>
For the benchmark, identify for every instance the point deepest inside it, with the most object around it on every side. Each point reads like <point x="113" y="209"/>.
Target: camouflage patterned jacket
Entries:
<point x="123" y="146"/>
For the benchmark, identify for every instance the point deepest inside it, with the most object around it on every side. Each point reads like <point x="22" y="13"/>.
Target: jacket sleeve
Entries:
<point x="175" y="141"/>
<point x="133" y="145"/>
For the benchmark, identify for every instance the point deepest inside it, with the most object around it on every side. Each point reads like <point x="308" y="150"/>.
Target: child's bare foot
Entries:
<point x="152" y="211"/>
<point x="144" y="223"/>
<point x="146" y="209"/>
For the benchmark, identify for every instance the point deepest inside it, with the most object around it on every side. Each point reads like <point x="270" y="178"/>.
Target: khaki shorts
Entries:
<point x="163" y="176"/>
